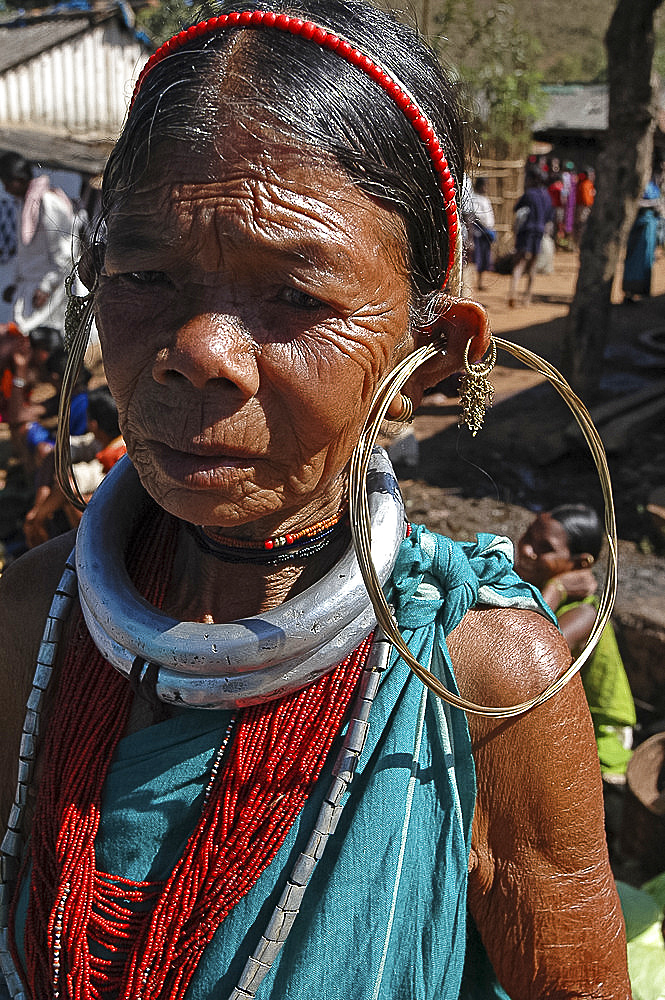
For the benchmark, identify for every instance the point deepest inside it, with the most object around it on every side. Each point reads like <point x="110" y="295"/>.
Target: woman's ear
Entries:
<point x="461" y="321"/>
<point x="88" y="266"/>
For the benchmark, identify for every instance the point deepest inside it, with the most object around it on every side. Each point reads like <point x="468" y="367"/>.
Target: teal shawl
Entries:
<point x="384" y="916"/>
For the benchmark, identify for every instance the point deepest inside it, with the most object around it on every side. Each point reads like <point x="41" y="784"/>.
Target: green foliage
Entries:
<point x="589" y="66"/>
<point x="659" y="54"/>
<point x="499" y="65"/>
<point x="161" y="20"/>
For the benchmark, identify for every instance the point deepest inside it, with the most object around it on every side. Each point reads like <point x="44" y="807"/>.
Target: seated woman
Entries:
<point x="556" y="554"/>
<point x="280" y="232"/>
<point x="93" y="455"/>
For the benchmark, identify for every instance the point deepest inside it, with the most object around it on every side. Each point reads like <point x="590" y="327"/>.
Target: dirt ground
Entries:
<point x="517" y="464"/>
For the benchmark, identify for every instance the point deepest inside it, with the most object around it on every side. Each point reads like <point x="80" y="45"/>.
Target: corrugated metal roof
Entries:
<point x="51" y="149"/>
<point x="575" y="108"/>
<point x="20" y="42"/>
<point x="65" y="82"/>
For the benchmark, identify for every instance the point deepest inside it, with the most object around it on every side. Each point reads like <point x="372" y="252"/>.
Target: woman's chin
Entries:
<point x="225" y="497"/>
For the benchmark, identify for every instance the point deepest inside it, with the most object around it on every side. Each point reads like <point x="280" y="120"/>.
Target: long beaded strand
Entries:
<point x="91" y="709"/>
<point x="277" y="754"/>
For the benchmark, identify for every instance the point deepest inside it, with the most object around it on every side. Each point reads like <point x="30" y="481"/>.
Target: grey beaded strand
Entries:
<point x="286" y="911"/>
<point x="11" y="848"/>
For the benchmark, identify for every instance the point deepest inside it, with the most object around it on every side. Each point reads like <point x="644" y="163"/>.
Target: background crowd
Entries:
<point x="41" y="238"/>
<point x="550" y="216"/>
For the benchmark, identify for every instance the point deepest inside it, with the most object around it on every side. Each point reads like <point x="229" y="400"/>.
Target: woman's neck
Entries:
<point x="207" y="588"/>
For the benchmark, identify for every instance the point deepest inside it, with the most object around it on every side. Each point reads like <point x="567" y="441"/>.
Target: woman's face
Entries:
<point x="542" y="552"/>
<point x="249" y="304"/>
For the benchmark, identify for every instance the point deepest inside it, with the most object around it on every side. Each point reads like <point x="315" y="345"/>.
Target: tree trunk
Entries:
<point x="623" y="169"/>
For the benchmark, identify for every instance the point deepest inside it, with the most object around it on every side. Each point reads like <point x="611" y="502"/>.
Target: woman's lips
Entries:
<point x="197" y="465"/>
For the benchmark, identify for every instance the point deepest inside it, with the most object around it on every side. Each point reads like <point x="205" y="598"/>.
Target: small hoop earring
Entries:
<point x="476" y="391"/>
<point x="406" y="412"/>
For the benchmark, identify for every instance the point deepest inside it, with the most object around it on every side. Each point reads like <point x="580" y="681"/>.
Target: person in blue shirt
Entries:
<point x="642" y="242"/>
<point x="533" y="213"/>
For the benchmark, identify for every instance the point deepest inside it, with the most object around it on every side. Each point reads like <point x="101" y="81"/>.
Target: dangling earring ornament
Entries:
<point x="476" y="391"/>
<point x="406" y="411"/>
<point x="78" y="312"/>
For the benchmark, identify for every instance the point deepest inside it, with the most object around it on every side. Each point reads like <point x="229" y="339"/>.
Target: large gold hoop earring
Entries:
<point x="361" y="529"/>
<point x="78" y="322"/>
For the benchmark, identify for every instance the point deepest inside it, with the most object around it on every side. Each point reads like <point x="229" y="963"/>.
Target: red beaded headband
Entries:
<point x="321" y="36"/>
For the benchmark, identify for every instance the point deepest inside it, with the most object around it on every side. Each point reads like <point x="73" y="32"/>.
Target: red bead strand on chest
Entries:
<point x="90" y="935"/>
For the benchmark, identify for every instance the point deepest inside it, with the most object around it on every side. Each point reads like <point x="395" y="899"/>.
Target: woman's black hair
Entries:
<point x="582" y="526"/>
<point x="45" y="338"/>
<point x="285" y="81"/>
<point x="14" y="167"/>
<point x="103" y="409"/>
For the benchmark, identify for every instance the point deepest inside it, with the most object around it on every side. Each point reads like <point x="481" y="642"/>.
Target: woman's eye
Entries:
<point x="147" y="277"/>
<point x="299" y="299"/>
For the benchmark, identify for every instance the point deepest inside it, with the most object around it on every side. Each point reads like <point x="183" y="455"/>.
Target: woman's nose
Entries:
<point x="207" y="347"/>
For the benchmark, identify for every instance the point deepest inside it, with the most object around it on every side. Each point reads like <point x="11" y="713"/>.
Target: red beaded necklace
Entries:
<point x="269" y="551"/>
<point x="310" y="31"/>
<point x="152" y="935"/>
<point x="277" y="541"/>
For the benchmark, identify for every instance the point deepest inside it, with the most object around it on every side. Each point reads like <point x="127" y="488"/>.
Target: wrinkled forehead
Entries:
<point x="258" y="174"/>
<point x="233" y="148"/>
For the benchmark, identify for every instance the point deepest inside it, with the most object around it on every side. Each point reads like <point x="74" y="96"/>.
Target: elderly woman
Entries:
<point x="279" y="233"/>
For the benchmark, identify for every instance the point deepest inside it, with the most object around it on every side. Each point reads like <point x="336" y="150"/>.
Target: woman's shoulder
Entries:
<point x="26" y="590"/>
<point x="27" y="585"/>
<point x="503" y="656"/>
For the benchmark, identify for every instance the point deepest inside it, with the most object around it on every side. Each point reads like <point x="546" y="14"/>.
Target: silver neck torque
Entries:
<point x="242" y="662"/>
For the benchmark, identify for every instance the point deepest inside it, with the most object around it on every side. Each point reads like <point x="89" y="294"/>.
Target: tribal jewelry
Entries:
<point x="405" y="414"/>
<point x="283" y="916"/>
<point x="238" y="663"/>
<point x="11" y="849"/>
<point x="155" y="952"/>
<point x="362" y="530"/>
<point x="272" y="551"/>
<point x="329" y="40"/>
<point x="78" y="322"/>
<point x="476" y="391"/>
<point x="78" y="310"/>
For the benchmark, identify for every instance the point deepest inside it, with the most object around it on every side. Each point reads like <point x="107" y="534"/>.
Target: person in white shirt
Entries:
<point x="483" y="229"/>
<point x="44" y="247"/>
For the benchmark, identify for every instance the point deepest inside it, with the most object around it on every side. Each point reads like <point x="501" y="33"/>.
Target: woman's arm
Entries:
<point x="541" y="889"/>
<point x="576" y="624"/>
